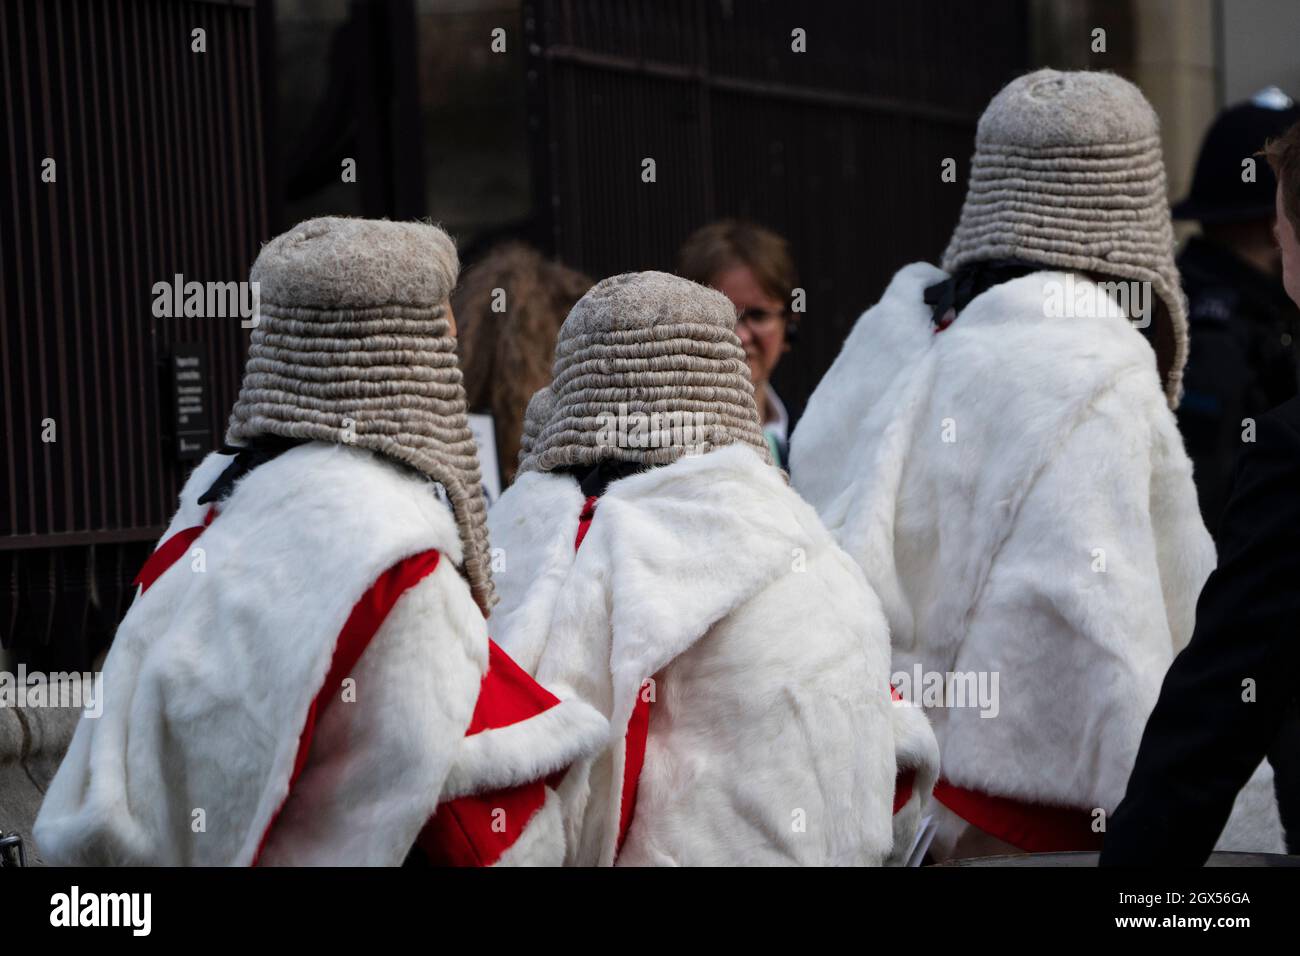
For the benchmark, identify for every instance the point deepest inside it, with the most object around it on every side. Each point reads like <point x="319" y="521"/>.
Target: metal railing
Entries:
<point x="838" y="148"/>
<point x="131" y="158"/>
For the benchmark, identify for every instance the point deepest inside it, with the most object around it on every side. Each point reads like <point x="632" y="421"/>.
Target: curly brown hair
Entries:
<point x="506" y="352"/>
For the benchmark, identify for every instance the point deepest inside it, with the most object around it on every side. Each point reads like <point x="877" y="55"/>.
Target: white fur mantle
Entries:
<point x="772" y="735"/>
<point x="212" y="671"/>
<point x="1016" y="490"/>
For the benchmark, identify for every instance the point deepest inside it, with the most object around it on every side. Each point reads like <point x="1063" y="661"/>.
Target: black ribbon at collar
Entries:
<point x="247" y="457"/>
<point x="595" y="479"/>
<point x="956" y="292"/>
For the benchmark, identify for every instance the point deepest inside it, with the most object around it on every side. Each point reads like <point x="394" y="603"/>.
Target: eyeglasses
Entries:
<point x="760" y="320"/>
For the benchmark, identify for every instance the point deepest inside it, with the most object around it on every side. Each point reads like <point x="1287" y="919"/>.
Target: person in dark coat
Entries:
<point x="1229" y="699"/>
<point x="1242" y="326"/>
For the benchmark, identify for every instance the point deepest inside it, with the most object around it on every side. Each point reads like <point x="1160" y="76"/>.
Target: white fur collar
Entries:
<point x="978" y="476"/>
<point x="680" y="547"/>
<point x="885" y="359"/>
<point x="249" y="616"/>
<point x="897" y="391"/>
<point x="710" y="545"/>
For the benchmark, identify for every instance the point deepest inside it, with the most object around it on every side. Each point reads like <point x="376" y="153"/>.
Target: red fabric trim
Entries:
<point x="507" y="694"/>
<point x="169" y="552"/>
<point x="1032" y="827"/>
<point x="476" y="830"/>
<point x="638" y="727"/>
<point x="638" y="730"/>
<point x="445" y="840"/>
<point x="584" y="520"/>
<point x="368" y="614"/>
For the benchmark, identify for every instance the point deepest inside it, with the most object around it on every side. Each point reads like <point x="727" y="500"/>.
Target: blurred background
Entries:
<point x="500" y="119"/>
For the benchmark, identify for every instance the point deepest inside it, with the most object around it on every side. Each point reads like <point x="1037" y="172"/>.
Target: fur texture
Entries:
<point x="209" y="680"/>
<point x="983" y="478"/>
<point x="771" y="733"/>
<point x="917" y="750"/>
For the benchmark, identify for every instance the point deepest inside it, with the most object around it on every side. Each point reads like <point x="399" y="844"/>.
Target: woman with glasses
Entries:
<point x="752" y="267"/>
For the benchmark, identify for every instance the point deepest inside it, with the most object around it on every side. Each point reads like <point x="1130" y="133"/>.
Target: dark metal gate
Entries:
<point x="157" y="171"/>
<point x="838" y="148"/>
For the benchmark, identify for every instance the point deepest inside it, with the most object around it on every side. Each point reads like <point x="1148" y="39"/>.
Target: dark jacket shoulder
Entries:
<point x="1228" y="699"/>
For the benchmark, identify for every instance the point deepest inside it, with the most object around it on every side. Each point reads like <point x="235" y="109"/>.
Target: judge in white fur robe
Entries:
<point x="708" y="585"/>
<point x="210" y="685"/>
<point x="1018" y="495"/>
